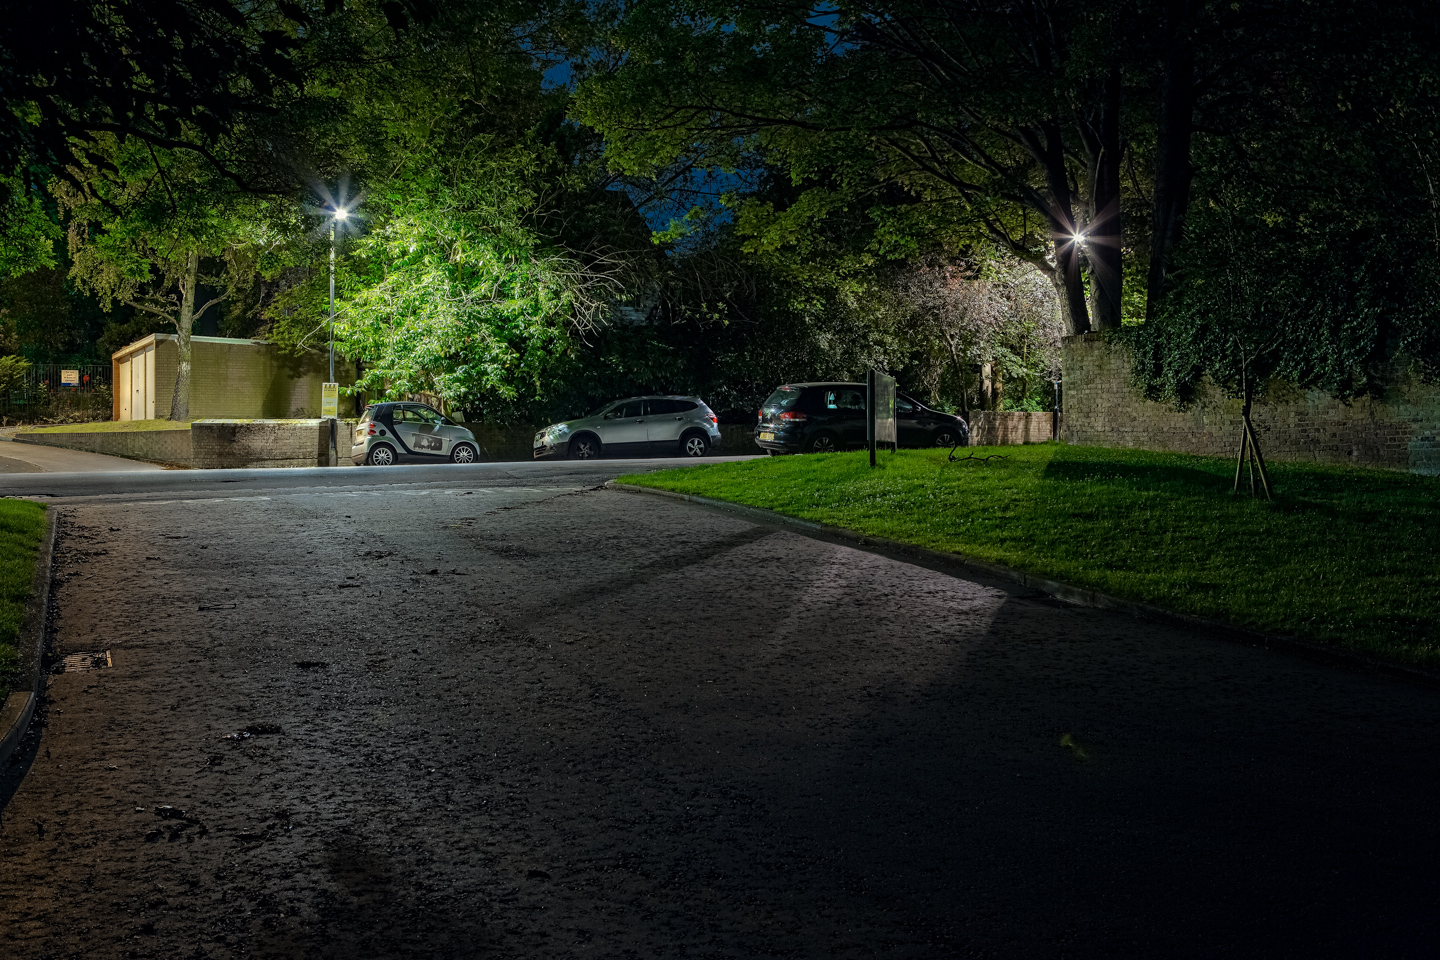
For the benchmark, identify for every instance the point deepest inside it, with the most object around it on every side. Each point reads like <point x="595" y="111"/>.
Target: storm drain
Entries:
<point x="85" y="661"/>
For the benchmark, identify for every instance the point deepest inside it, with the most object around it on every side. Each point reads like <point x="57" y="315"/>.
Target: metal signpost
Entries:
<point x="880" y="412"/>
<point x="329" y="410"/>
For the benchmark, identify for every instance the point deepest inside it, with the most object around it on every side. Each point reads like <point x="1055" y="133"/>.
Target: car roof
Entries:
<point x="661" y="396"/>
<point x="821" y="383"/>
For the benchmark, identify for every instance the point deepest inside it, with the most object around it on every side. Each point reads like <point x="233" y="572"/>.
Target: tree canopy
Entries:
<point x="557" y="202"/>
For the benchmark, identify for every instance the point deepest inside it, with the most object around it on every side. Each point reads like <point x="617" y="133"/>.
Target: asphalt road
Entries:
<point x="496" y="712"/>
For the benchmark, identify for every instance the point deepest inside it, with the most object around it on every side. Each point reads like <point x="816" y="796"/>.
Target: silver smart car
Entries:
<point x="681" y="426"/>
<point x="392" y="433"/>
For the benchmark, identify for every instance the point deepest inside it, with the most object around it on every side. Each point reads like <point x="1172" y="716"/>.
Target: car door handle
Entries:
<point x="679" y="418"/>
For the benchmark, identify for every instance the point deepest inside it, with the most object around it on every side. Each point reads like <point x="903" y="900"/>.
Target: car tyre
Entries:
<point x="945" y="437"/>
<point x="463" y="453"/>
<point x="381" y="455"/>
<point x="694" y="444"/>
<point x="584" y="447"/>
<point x="823" y="442"/>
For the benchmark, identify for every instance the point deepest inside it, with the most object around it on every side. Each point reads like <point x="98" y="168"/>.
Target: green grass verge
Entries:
<point x="108" y="426"/>
<point x="22" y="523"/>
<point x="1344" y="556"/>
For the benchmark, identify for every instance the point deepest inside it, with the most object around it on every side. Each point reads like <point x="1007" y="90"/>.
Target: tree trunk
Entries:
<point x="987" y="386"/>
<point x="180" y="402"/>
<point x="1069" y="287"/>
<point x="1104" y="231"/>
<point x="1172" y="162"/>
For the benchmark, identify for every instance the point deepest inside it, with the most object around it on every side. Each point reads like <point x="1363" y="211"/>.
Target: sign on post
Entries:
<point x="329" y="400"/>
<point x="70" y="378"/>
<point x="880" y="412"/>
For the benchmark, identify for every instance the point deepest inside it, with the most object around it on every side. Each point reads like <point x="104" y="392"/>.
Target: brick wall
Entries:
<point x="157" y="446"/>
<point x="1399" y="430"/>
<point x="215" y="444"/>
<point x="989" y="428"/>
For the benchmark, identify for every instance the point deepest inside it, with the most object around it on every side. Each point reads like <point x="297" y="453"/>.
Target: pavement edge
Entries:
<point x="20" y="706"/>
<point x="960" y="563"/>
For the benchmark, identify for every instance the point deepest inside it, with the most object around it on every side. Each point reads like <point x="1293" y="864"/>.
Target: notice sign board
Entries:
<point x="329" y="400"/>
<point x="880" y="412"/>
<point x="70" y="378"/>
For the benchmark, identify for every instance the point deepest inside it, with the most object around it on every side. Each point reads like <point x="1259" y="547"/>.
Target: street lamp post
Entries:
<point x="340" y="214"/>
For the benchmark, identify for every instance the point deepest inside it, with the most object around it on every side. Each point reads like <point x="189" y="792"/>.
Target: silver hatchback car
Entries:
<point x="680" y="426"/>
<point x="392" y="433"/>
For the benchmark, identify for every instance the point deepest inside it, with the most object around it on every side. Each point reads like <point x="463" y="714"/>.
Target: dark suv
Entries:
<point x="823" y="417"/>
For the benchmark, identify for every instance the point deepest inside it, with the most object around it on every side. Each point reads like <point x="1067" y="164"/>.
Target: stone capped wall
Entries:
<point x="990" y="428"/>
<point x="170" y="446"/>
<point x="1399" y="430"/>
<point x="214" y="444"/>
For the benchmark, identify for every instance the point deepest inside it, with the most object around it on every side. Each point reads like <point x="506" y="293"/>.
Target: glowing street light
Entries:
<point x="338" y="216"/>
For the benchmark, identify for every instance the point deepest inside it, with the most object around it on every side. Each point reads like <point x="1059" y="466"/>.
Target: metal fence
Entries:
<point x="46" y="384"/>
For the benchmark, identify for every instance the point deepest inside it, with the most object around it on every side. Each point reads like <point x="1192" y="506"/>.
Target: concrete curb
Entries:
<point x="959" y="563"/>
<point x="20" y="706"/>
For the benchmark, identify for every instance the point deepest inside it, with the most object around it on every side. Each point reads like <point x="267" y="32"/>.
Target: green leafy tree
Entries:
<point x="157" y="231"/>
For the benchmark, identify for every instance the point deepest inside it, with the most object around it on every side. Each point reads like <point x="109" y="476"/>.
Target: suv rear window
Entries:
<point x="844" y="399"/>
<point x="782" y="399"/>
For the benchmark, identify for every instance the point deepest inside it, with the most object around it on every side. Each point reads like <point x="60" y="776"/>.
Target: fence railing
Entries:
<point x="45" y="384"/>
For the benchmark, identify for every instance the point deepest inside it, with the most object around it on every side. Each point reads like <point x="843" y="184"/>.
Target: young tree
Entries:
<point x="158" y="231"/>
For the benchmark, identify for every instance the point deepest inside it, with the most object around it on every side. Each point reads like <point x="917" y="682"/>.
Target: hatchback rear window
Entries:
<point x="783" y="399"/>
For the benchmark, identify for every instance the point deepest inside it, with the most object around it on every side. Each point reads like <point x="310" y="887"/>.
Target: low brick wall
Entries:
<point x="215" y="444"/>
<point x="157" y="446"/>
<point x="265" y="443"/>
<point x="1399" y="430"/>
<point x="989" y="428"/>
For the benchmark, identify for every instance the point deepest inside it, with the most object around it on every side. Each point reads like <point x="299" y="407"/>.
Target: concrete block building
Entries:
<point x="229" y="379"/>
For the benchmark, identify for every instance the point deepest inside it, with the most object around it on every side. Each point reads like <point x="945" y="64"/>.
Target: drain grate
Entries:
<point x="85" y="661"/>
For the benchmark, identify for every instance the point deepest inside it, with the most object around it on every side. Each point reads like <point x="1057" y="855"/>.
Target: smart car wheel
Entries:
<point x="462" y="453"/>
<point x="381" y="455"/>
<point x="944" y="437"/>
<point x="584" y="447"/>
<point x="693" y="445"/>
<point x="822" y="443"/>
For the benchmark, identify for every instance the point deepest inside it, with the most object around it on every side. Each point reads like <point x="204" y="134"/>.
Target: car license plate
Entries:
<point x="767" y="436"/>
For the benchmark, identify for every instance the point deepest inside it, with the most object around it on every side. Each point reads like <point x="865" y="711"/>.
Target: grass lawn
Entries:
<point x="108" y="426"/>
<point x="21" y="524"/>
<point x="1344" y="556"/>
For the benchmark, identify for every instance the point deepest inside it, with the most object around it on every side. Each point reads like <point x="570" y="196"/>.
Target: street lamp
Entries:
<point x="339" y="215"/>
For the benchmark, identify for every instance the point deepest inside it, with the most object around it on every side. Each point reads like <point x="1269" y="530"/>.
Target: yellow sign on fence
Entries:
<point x="329" y="399"/>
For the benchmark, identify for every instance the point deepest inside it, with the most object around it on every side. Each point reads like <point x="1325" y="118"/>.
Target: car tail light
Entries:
<point x="792" y="416"/>
<point x="372" y="428"/>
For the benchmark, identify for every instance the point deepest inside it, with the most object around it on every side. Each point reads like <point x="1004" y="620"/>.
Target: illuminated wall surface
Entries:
<point x="1399" y="430"/>
<point x="236" y="379"/>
